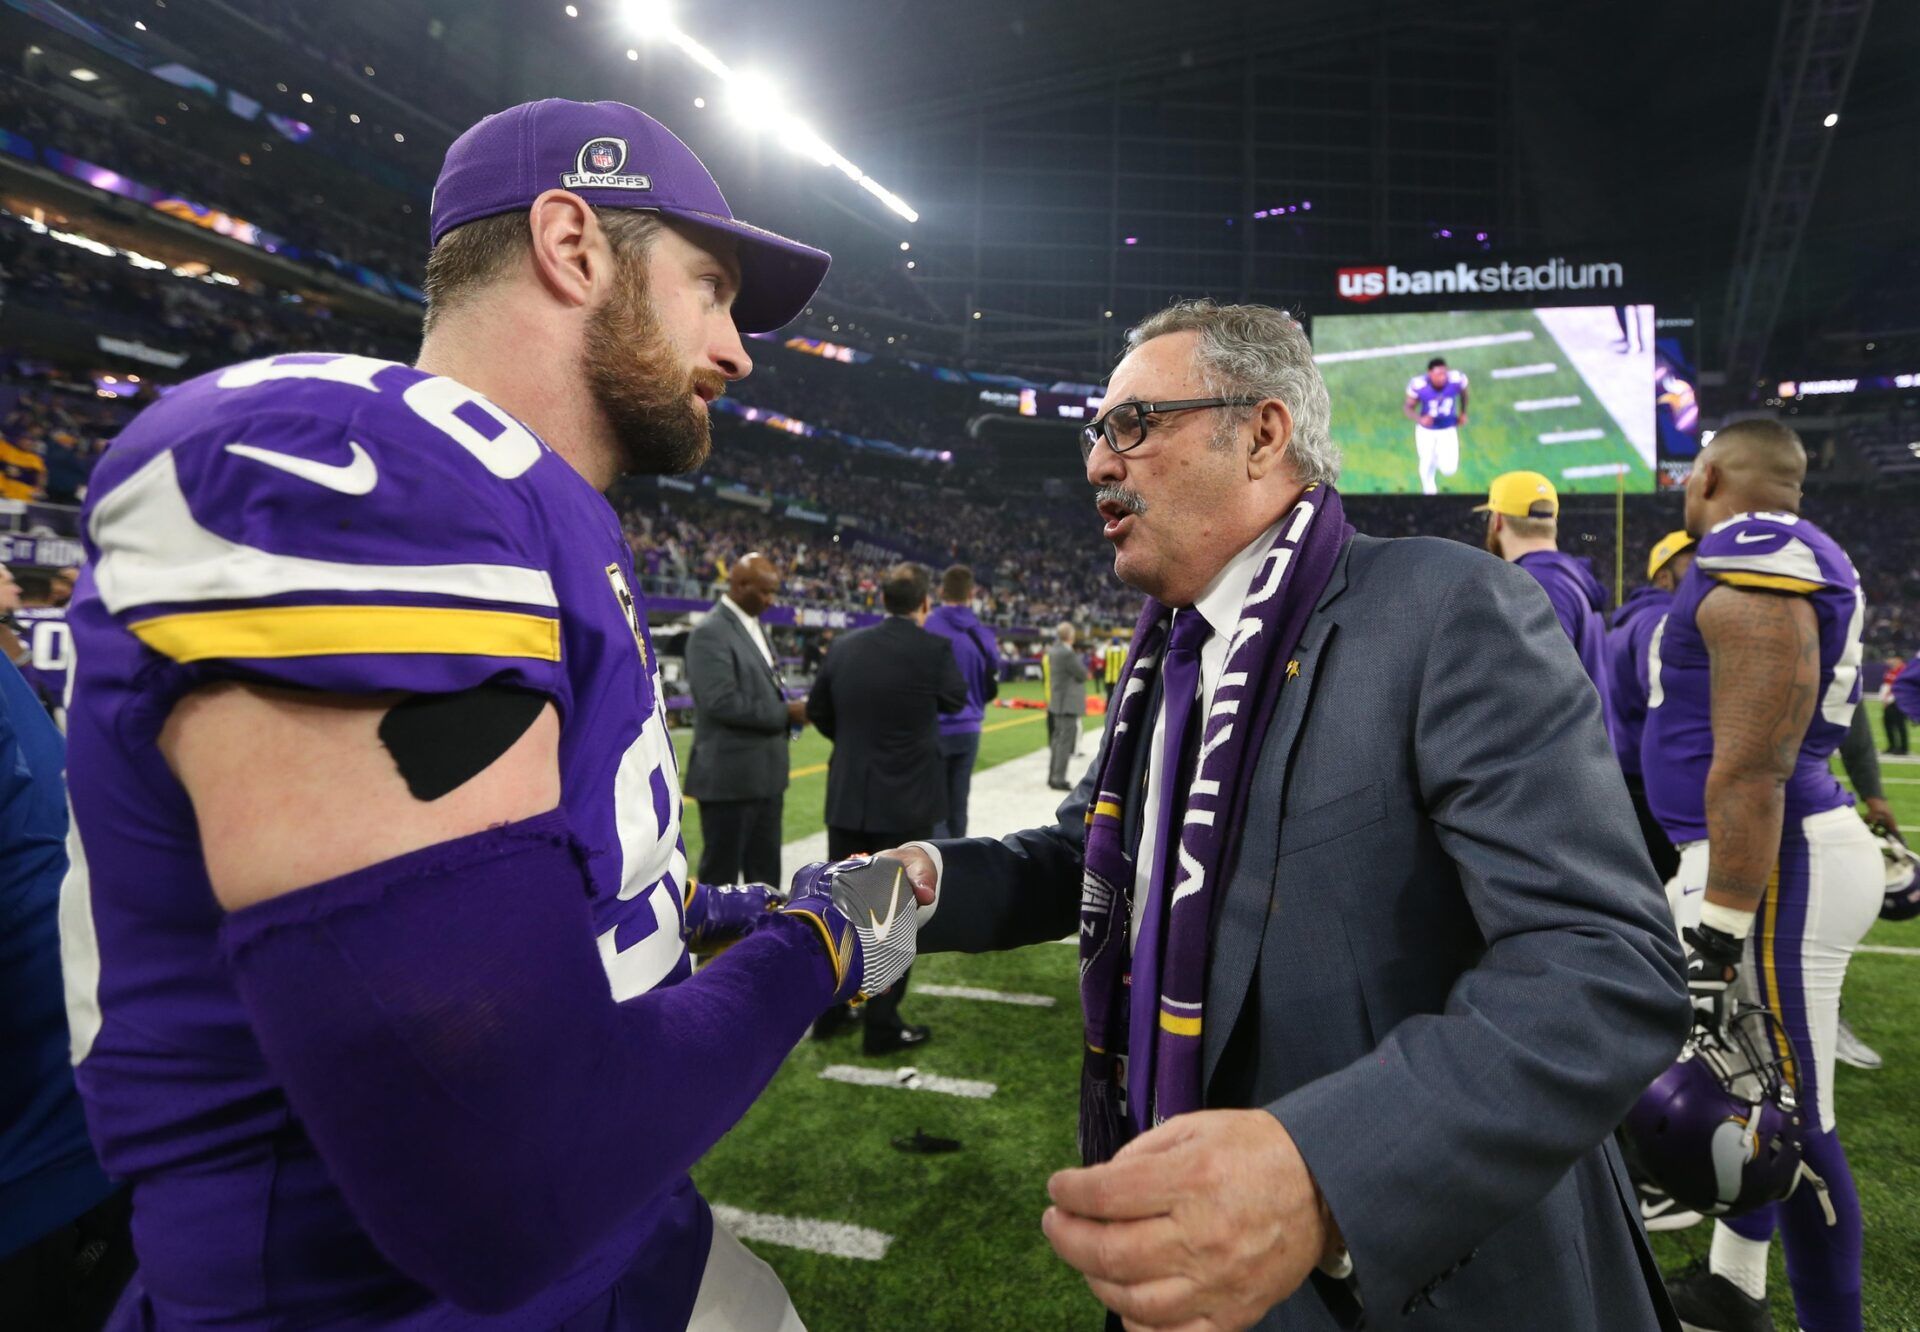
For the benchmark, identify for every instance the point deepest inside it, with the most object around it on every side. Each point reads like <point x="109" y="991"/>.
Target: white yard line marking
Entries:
<point x="990" y="996"/>
<point x="1546" y="404"/>
<point x="1422" y="348"/>
<point x="1887" y="950"/>
<point x="1570" y="436"/>
<point x="907" y="1079"/>
<point x="1073" y="939"/>
<point x="1593" y="469"/>
<point x="1901" y="781"/>
<point x="1522" y="371"/>
<point x="837" y="1239"/>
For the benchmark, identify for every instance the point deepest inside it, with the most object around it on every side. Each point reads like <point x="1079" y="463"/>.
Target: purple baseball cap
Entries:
<point x="615" y="156"/>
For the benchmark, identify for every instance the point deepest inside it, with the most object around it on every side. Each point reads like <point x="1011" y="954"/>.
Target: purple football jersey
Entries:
<point x="351" y="525"/>
<point x="1782" y="553"/>
<point x="1443" y="403"/>
<point x="43" y="629"/>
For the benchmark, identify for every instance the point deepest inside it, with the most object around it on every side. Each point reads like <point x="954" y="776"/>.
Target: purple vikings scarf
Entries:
<point x="1121" y="1095"/>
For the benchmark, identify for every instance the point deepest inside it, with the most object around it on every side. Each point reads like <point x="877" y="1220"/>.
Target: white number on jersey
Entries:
<point x="1837" y="707"/>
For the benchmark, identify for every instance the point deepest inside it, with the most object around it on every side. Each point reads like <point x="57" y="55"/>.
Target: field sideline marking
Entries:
<point x="989" y="996"/>
<point x="1522" y="371"/>
<point x="1411" y="348"/>
<point x="1570" y="436"/>
<point x="813" y="768"/>
<point x="837" y="1239"/>
<point x="1593" y="469"/>
<point x="891" y="1077"/>
<point x="1546" y="404"/>
<point x="1886" y="950"/>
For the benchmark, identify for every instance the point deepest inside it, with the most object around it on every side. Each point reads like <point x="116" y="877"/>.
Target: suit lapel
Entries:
<point x="1240" y="912"/>
<point x="753" y="649"/>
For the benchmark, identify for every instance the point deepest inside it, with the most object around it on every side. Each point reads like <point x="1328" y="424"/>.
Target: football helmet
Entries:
<point x="1902" y="901"/>
<point x="1722" y="1130"/>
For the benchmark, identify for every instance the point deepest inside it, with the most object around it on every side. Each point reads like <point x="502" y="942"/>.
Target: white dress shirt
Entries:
<point x="1219" y="606"/>
<point x="754" y="631"/>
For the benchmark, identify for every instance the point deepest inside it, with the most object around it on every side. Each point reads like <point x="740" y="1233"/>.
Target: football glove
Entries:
<point x="1713" y="966"/>
<point x="720" y="913"/>
<point x="867" y="914"/>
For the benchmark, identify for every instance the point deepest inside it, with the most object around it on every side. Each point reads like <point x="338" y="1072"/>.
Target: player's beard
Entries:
<point x="637" y="379"/>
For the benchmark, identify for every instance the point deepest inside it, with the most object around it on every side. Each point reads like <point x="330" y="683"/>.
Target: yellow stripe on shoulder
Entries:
<point x="1771" y="582"/>
<point x="341" y="631"/>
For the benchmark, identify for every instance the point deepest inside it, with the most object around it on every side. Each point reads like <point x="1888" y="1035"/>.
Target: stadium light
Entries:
<point x="573" y="11"/>
<point x="756" y="102"/>
<point x="82" y="75"/>
<point x="1833" y="118"/>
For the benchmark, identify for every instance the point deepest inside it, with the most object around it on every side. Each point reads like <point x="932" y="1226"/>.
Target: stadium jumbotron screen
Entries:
<point x="1566" y="391"/>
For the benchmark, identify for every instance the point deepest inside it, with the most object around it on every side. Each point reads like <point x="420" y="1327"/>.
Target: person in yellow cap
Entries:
<point x="1523" y="528"/>
<point x="1628" y="636"/>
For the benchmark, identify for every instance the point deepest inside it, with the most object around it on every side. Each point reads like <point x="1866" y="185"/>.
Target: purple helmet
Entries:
<point x="1902" y="901"/>
<point x="1721" y="1130"/>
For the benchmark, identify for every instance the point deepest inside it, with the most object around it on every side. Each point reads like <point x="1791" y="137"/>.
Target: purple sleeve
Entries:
<point x="443" y="1030"/>
<point x="1906" y="691"/>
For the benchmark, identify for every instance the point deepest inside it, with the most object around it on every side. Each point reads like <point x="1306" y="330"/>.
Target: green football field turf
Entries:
<point x="967" y="1252"/>
<point x="1376" y="441"/>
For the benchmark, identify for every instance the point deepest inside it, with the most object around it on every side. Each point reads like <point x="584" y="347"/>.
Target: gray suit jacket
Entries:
<point x="1066" y="680"/>
<point x="1441" y="957"/>
<point x="740" y="714"/>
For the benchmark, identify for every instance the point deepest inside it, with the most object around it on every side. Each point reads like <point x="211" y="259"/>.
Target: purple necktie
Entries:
<point x="1180" y="673"/>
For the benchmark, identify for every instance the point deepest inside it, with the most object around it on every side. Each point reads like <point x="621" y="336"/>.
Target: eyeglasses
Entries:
<point x="1124" y="425"/>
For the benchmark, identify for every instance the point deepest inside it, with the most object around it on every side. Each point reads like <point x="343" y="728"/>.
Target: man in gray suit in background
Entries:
<point x="1355" y="1047"/>
<point x="738" y="768"/>
<point x="1066" y="703"/>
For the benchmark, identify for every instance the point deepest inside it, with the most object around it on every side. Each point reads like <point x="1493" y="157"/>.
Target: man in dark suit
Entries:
<point x="1432" y="967"/>
<point x="879" y="697"/>
<point x="738" y="768"/>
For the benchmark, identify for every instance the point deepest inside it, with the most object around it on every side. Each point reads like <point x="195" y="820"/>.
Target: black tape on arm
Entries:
<point x="440" y="742"/>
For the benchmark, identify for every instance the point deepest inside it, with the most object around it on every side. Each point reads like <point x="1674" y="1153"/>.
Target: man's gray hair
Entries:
<point x="1064" y="631"/>
<point x="1258" y="351"/>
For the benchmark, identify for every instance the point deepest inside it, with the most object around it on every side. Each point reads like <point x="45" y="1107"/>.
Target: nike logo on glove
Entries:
<point x="349" y="478"/>
<point x="881" y="929"/>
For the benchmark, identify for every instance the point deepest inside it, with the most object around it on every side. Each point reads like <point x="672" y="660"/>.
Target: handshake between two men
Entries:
<point x="1206" y="1221"/>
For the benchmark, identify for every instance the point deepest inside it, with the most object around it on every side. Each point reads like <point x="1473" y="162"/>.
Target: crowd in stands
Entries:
<point x="219" y="322"/>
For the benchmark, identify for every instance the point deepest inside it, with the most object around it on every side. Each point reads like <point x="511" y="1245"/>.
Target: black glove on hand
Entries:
<point x="1713" y="965"/>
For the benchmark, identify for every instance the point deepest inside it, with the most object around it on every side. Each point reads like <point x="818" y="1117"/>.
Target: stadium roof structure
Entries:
<point x="1075" y="166"/>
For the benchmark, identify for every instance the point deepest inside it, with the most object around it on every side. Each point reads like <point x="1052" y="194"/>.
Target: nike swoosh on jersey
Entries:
<point x="350" y="478"/>
<point x="883" y="928"/>
<point x="1748" y="538"/>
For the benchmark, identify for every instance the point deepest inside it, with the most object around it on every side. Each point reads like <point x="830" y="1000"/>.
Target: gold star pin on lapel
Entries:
<point x="1293" y="669"/>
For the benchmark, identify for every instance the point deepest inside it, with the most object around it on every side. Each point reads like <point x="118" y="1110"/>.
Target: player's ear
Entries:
<point x="570" y="252"/>
<point x="1272" y="429"/>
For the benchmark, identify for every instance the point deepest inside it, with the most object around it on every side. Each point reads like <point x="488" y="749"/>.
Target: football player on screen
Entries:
<point x="376" y="935"/>
<point x="1437" y="405"/>
<point x="1753" y="677"/>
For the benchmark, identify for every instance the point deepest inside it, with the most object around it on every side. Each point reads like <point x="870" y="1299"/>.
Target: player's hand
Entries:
<point x="796" y="712"/>
<point x="1880" y="812"/>
<point x="1461" y="419"/>
<point x="1203" y="1223"/>
<point x="1427" y="421"/>
<point x="720" y="913"/>
<point x="867" y="906"/>
<point x="1713" y="965"/>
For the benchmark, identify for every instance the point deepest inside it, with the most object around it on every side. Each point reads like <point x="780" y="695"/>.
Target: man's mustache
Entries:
<point x="1126" y="499"/>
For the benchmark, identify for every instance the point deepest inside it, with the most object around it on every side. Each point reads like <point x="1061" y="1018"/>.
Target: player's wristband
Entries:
<point x="1726" y="919"/>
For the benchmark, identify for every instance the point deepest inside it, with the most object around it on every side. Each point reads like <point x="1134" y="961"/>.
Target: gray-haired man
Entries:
<point x="1067" y="677"/>
<point x="1372" y="959"/>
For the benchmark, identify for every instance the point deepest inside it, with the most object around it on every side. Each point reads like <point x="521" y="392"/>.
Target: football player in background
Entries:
<point x="1523" y="528"/>
<point x="376" y="936"/>
<point x="1437" y="405"/>
<point x="1627" y="637"/>
<point x="1754" y="675"/>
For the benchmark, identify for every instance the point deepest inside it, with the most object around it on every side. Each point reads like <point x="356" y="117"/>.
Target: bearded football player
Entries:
<point x="376" y="937"/>
<point x="1753" y="679"/>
